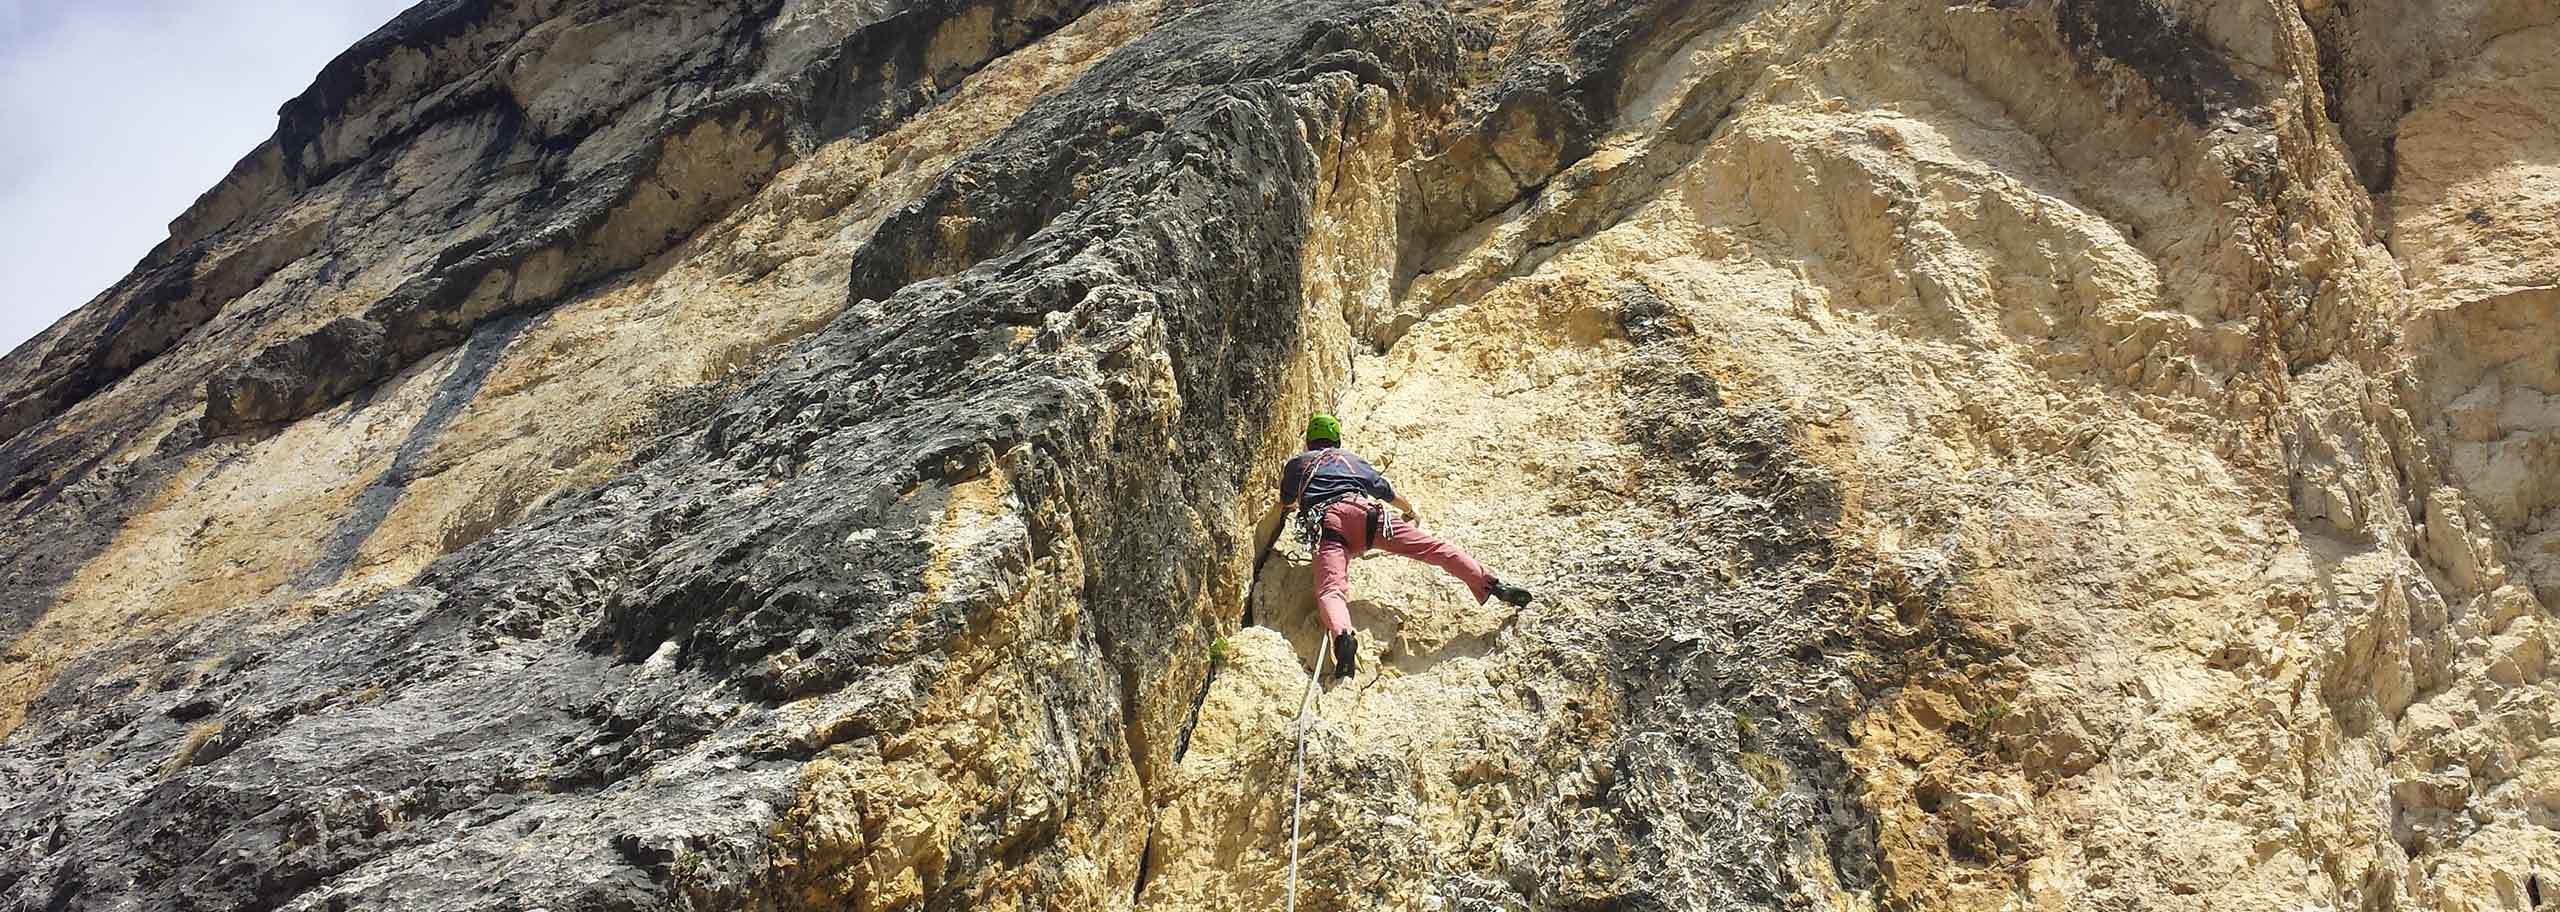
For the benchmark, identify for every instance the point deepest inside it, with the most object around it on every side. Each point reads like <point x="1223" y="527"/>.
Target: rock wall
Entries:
<point x="795" y="454"/>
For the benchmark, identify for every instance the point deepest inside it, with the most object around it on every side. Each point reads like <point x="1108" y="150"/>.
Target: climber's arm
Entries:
<point x="1411" y="515"/>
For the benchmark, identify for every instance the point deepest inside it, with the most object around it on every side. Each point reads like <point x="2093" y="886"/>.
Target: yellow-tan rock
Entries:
<point x="2072" y="455"/>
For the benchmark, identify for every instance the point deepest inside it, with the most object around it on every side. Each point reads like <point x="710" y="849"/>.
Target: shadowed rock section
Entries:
<point x="799" y="454"/>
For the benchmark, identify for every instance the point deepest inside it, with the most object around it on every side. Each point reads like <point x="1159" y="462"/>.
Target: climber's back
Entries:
<point x="1325" y="471"/>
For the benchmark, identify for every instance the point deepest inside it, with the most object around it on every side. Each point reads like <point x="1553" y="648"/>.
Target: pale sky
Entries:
<point x="116" y="114"/>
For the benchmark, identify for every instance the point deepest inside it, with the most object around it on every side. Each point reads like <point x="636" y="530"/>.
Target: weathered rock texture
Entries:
<point x="798" y="454"/>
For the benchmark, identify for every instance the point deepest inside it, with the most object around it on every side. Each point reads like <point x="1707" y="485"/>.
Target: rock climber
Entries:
<point x="1340" y="502"/>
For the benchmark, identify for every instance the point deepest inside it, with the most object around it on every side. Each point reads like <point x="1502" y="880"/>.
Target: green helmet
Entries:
<point x="1324" y="427"/>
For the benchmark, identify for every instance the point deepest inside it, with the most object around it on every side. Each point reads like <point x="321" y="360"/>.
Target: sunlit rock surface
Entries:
<point x="2021" y="454"/>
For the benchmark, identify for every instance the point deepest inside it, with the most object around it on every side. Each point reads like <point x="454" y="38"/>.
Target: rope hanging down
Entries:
<point x="1298" y="792"/>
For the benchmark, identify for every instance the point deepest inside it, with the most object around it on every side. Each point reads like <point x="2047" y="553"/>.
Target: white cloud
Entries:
<point x="116" y="114"/>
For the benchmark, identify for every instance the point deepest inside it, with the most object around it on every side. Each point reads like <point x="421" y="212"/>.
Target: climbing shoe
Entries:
<point x="1346" y="656"/>
<point x="1518" y="597"/>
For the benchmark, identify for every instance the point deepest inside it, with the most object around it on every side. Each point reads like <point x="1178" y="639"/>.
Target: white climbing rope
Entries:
<point x="1298" y="792"/>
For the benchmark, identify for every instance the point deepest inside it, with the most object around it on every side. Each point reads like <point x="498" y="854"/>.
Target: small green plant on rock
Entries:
<point x="1769" y="771"/>
<point x="1989" y="714"/>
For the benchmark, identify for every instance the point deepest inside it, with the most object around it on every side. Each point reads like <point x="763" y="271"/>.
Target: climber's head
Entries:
<point x="1324" y="431"/>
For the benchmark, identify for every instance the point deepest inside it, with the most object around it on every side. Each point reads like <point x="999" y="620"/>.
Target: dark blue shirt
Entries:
<point x="1315" y="475"/>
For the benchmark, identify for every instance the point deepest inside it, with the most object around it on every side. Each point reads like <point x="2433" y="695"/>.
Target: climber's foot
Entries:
<point x="1518" y="597"/>
<point x="1346" y="656"/>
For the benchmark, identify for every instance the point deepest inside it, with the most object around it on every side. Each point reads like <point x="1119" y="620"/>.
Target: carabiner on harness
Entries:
<point x="1311" y="527"/>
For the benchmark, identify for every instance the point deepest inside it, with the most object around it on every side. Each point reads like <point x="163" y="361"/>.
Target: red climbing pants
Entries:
<point x="1348" y="525"/>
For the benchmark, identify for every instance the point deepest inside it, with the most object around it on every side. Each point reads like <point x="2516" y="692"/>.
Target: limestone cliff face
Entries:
<point x="798" y="454"/>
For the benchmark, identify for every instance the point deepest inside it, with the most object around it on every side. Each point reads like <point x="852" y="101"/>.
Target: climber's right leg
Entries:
<point x="1406" y="539"/>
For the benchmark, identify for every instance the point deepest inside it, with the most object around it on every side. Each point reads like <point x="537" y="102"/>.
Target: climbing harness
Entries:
<point x="1311" y="527"/>
<point x="1298" y="792"/>
<point x="1311" y="512"/>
